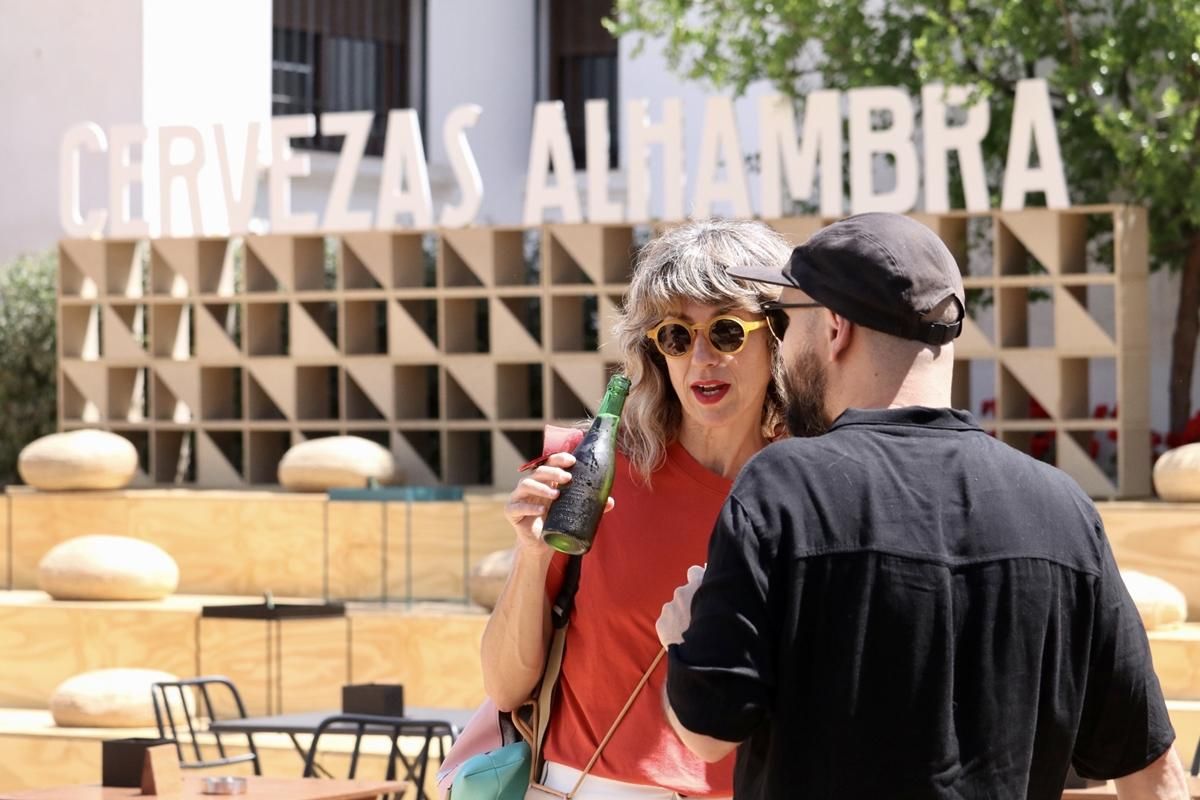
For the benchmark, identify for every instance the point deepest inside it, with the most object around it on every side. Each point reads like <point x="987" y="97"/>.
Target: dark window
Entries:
<point x="340" y="55"/>
<point x="583" y="66"/>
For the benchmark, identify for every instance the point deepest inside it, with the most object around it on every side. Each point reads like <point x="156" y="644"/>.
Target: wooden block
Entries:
<point x="399" y="648"/>
<point x="46" y="641"/>
<point x="279" y="666"/>
<point x="41" y="520"/>
<point x="1185" y="719"/>
<point x="489" y="529"/>
<point x="161" y="775"/>
<point x="356" y="550"/>
<point x="243" y="543"/>
<point x="1161" y="539"/>
<point x="433" y="534"/>
<point x="1176" y="656"/>
<point x="5" y="548"/>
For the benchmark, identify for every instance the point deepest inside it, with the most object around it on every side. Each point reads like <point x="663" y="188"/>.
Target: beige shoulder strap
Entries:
<point x="603" y="742"/>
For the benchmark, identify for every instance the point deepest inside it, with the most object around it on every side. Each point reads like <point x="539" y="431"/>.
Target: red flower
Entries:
<point x="1093" y="448"/>
<point x="1101" y="411"/>
<point x="987" y="406"/>
<point x="1036" y="411"/>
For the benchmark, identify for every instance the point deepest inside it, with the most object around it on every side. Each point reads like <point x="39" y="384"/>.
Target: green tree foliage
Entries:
<point x="1124" y="76"/>
<point x="27" y="356"/>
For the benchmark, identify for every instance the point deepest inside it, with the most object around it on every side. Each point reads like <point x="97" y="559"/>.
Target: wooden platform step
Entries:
<point x="431" y="648"/>
<point x="250" y="542"/>
<point x="1158" y="538"/>
<point x="1177" y="661"/>
<point x="35" y="753"/>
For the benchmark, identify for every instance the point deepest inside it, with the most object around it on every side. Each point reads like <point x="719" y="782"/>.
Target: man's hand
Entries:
<point x="677" y="614"/>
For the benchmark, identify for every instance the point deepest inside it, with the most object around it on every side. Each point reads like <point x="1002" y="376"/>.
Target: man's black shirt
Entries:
<point x="907" y="608"/>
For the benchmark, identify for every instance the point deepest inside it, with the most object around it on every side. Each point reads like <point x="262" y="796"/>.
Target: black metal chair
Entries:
<point x="168" y="727"/>
<point x="384" y="728"/>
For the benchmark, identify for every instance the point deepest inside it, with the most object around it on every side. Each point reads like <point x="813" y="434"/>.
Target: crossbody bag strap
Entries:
<point x="611" y="730"/>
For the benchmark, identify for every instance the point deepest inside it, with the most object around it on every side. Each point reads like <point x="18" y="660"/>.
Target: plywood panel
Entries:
<point x="356" y="568"/>
<point x="42" y="520"/>
<point x="279" y="667"/>
<point x="435" y="656"/>
<point x="433" y="534"/>
<point x="1162" y="539"/>
<point x="44" y="642"/>
<point x="489" y="530"/>
<point x="1177" y="661"/>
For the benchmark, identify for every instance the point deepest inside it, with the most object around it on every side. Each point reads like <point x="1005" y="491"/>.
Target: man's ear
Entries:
<point x="841" y="333"/>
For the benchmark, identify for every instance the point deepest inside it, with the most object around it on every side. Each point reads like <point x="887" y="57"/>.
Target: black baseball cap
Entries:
<point x="882" y="271"/>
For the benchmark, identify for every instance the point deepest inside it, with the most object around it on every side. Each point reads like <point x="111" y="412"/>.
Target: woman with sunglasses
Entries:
<point x="705" y="397"/>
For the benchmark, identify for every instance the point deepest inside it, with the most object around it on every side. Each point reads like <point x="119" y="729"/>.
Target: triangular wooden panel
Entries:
<point x="212" y="468"/>
<point x="182" y="257"/>
<point x="606" y="341"/>
<point x="796" y="230"/>
<point x="277" y="253"/>
<point x="973" y="343"/>
<point x="1074" y="460"/>
<point x="1040" y="375"/>
<point x="91" y="381"/>
<point x="374" y="250"/>
<point x="477" y="377"/>
<point x="212" y="341"/>
<point x="413" y="469"/>
<point x="1075" y="330"/>
<point x="183" y="380"/>
<point x="374" y="377"/>
<point x="88" y="258"/>
<point x="406" y="339"/>
<point x="119" y="341"/>
<point x="476" y="248"/>
<point x="508" y="336"/>
<point x="506" y="459"/>
<point x="585" y="377"/>
<point x="584" y="244"/>
<point x="278" y="382"/>
<point x="307" y="339"/>
<point x="1038" y="231"/>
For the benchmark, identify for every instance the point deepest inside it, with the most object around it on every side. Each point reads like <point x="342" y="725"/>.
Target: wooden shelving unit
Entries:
<point x="454" y="347"/>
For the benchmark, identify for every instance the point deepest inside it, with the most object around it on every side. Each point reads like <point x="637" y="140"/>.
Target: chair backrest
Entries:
<point x="382" y="728"/>
<point x="177" y="698"/>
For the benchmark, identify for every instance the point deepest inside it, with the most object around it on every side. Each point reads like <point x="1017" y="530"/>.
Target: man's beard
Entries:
<point x="806" y="381"/>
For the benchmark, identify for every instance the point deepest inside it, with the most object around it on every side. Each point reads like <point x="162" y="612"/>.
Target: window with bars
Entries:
<point x="582" y="67"/>
<point x="341" y="55"/>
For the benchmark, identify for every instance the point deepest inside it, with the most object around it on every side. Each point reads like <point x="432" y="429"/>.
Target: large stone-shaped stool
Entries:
<point x="335" y="462"/>
<point x="112" y="698"/>
<point x="1160" y="604"/>
<point x="1177" y="474"/>
<point x="107" y="568"/>
<point x="83" y="459"/>
<point x="488" y="577"/>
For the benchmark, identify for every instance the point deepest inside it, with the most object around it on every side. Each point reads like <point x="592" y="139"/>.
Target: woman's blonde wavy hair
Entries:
<point x="689" y="263"/>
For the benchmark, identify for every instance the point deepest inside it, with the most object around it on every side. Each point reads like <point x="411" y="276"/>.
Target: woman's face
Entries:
<point x="714" y="388"/>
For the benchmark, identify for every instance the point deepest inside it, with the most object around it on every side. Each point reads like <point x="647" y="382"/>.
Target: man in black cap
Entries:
<point x="897" y="605"/>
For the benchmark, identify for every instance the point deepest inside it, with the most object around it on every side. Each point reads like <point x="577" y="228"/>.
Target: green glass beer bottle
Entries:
<point x="572" y="520"/>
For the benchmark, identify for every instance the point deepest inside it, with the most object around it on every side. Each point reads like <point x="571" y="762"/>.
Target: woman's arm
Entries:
<point x="518" y="632"/>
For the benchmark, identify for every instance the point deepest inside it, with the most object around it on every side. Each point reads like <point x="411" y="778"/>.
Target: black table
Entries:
<point x="429" y="723"/>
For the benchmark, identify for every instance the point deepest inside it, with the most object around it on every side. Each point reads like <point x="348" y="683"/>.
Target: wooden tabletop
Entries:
<point x="1109" y="790"/>
<point x="257" y="788"/>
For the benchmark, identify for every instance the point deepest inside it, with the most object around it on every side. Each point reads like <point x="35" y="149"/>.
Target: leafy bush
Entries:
<point x="27" y="356"/>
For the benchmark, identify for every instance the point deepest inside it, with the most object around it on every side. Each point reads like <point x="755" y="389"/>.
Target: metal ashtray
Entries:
<point x="224" y="785"/>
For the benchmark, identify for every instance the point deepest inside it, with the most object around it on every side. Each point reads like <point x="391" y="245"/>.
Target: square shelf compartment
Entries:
<point x="171" y="332"/>
<point x="174" y="457"/>
<point x="415" y="389"/>
<point x="267" y="329"/>
<point x="220" y="393"/>
<point x="79" y="332"/>
<point x="465" y="325"/>
<point x="189" y="267"/>
<point x="574" y="323"/>
<point x="125" y="265"/>
<point x="128" y="394"/>
<point x="974" y="388"/>
<point x="1039" y="242"/>
<point x="519" y="391"/>
<point x="1026" y="317"/>
<point x="468" y="458"/>
<point x="418" y="453"/>
<point x="366" y="327"/>
<point x="265" y="449"/>
<point x="317" y="392"/>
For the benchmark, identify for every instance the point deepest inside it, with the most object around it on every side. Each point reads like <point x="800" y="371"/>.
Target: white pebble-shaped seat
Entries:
<point x="488" y="577"/>
<point x="83" y="459"/>
<point x="1177" y="474"/>
<point x="1160" y="604"/>
<point x="101" y="567"/>
<point x="111" y="698"/>
<point x="335" y="462"/>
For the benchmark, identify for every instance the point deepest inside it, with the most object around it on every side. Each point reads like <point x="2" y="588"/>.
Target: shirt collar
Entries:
<point x="948" y="418"/>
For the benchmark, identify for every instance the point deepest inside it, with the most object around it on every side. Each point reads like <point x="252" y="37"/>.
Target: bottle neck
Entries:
<point x="613" y="402"/>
